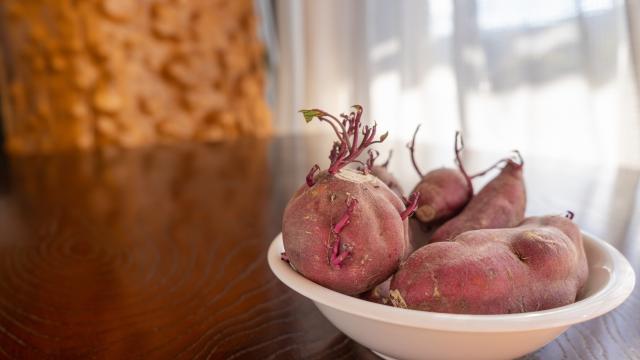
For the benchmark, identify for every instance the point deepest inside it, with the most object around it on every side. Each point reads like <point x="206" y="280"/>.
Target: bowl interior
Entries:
<point x="600" y="269"/>
<point x="611" y="280"/>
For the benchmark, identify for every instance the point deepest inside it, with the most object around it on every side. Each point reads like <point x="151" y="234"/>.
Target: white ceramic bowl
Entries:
<point x="409" y="334"/>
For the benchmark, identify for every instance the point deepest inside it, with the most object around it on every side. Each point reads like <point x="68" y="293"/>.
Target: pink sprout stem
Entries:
<point x="346" y="217"/>
<point x="337" y="256"/>
<point x="354" y="145"/>
<point x="411" y="206"/>
<point x="518" y="158"/>
<point x="348" y="131"/>
<point x="484" y="172"/>
<point x="412" y="149"/>
<point x="337" y="259"/>
<point x="311" y="174"/>
<point x="343" y="132"/>
<point x="335" y="249"/>
<point x="373" y="155"/>
<point x="386" y="163"/>
<point x="458" y="147"/>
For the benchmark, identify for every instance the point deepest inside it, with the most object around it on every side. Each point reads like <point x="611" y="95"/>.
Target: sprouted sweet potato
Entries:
<point x="346" y="230"/>
<point x="499" y="204"/>
<point x="443" y="192"/>
<point x="539" y="265"/>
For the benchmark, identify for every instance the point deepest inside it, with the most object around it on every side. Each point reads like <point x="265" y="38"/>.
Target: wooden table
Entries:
<point x="161" y="253"/>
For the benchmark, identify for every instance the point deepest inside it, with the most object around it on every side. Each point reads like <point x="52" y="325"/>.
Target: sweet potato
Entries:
<point x="379" y="294"/>
<point x="444" y="192"/>
<point x="346" y="230"/>
<point x="539" y="265"/>
<point x="419" y="233"/>
<point x="500" y="204"/>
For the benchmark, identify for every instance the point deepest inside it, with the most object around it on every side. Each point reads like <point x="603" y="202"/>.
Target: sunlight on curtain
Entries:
<point x="553" y="79"/>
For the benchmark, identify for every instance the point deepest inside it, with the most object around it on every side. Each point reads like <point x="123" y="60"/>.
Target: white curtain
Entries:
<point x="553" y="78"/>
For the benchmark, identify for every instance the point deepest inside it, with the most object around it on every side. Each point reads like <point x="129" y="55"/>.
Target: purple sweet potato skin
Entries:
<point x="539" y="265"/>
<point x="386" y="177"/>
<point x="419" y="233"/>
<point x="379" y="294"/>
<point x="376" y="236"/>
<point x="500" y="204"/>
<point x="443" y="194"/>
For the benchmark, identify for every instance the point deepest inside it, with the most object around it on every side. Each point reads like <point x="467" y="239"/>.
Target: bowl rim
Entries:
<point x="615" y="292"/>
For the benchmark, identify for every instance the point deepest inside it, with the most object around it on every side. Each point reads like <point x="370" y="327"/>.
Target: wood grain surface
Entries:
<point x="160" y="253"/>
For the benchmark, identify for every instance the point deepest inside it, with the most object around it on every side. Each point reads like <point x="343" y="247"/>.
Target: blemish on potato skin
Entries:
<point x="519" y="256"/>
<point x="396" y="299"/>
<point x="491" y="273"/>
<point x="436" y="289"/>
<point x="532" y="236"/>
